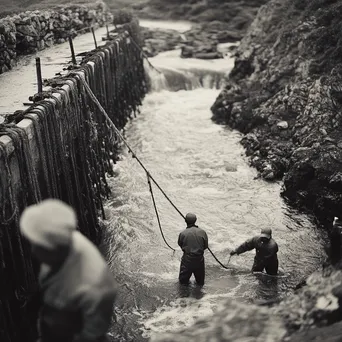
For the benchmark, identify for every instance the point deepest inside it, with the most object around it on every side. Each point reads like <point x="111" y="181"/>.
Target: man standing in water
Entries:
<point x="78" y="289"/>
<point x="193" y="241"/>
<point x="266" y="252"/>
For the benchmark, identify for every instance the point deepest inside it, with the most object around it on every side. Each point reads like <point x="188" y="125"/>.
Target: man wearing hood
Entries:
<point x="78" y="289"/>
<point x="266" y="252"/>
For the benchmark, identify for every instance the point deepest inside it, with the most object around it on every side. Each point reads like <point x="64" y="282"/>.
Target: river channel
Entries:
<point x="202" y="168"/>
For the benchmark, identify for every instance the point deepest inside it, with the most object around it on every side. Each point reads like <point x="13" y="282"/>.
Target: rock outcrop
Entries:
<point x="313" y="310"/>
<point x="233" y="322"/>
<point x="217" y="21"/>
<point x="32" y="31"/>
<point x="285" y="94"/>
<point x="159" y="40"/>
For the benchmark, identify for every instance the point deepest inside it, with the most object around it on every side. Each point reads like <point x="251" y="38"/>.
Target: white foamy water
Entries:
<point x="180" y="25"/>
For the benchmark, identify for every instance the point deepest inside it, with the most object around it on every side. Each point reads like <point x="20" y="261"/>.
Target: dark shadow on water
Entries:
<point x="267" y="287"/>
<point x="191" y="290"/>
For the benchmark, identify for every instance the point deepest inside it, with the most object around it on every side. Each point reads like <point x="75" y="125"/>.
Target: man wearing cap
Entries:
<point x="78" y="289"/>
<point x="266" y="252"/>
<point x="193" y="241"/>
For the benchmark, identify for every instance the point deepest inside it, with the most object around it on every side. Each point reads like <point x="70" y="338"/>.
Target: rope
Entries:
<point x="218" y="259"/>
<point x="149" y="177"/>
<point x="92" y="96"/>
<point x="144" y="54"/>
<point x="156" y="210"/>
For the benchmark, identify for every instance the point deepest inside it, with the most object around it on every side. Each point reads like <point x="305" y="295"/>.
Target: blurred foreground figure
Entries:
<point x="193" y="241"/>
<point x="266" y="252"/>
<point x="77" y="286"/>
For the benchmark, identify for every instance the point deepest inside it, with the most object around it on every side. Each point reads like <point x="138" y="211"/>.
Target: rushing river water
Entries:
<point x="202" y="168"/>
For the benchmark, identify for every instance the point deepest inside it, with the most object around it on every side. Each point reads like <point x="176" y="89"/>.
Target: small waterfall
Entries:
<point x="173" y="73"/>
<point x="172" y="79"/>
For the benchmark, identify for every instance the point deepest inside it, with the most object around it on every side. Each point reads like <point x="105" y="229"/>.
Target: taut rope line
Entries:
<point x="156" y="210"/>
<point x="149" y="177"/>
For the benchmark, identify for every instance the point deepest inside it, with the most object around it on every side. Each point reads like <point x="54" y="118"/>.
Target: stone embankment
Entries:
<point x="62" y="147"/>
<point x="284" y="93"/>
<point x="32" y="31"/>
<point x="312" y="313"/>
<point x="216" y="21"/>
<point x="201" y="41"/>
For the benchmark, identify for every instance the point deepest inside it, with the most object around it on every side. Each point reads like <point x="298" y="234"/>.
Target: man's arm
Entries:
<point x="246" y="246"/>
<point x="97" y="312"/>
<point x="180" y="240"/>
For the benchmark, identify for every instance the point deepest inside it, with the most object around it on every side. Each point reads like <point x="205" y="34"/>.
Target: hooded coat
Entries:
<point x="265" y="256"/>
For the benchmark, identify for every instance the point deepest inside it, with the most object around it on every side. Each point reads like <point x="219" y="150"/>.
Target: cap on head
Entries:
<point x="48" y="224"/>
<point x="190" y="218"/>
<point x="266" y="232"/>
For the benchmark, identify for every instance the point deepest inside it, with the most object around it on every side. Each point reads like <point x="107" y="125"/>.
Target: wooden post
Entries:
<point x="73" y="58"/>
<point x="39" y="75"/>
<point x="93" y="32"/>
<point x="108" y="36"/>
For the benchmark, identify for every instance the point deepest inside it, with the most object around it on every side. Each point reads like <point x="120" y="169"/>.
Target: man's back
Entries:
<point x="266" y="249"/>
<point x="193" y="240"/>
<point x="84" y="271"/>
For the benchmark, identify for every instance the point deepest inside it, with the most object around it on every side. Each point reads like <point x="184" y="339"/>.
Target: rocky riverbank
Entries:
<point x="284" y="93"/>
<point x="215" y="22"/>
<point x="195" y="43"/>
<point x="32" y="31"/>
<point x="312" y="313"/>
<point x="160" y="40"/>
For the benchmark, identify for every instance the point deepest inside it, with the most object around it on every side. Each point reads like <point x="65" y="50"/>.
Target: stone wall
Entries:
<point x="62" y="147"/>
<point x="31" y="31"/>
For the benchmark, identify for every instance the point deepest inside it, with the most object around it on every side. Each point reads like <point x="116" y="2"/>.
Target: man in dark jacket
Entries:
<point x="266" y="252"/>
<point x="193" y="241"/>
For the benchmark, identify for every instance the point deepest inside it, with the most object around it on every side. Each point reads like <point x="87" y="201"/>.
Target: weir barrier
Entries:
<point x="62" y="147"/>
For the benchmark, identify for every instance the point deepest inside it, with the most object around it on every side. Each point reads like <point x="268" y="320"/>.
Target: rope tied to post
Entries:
<point x="81" y="77"/>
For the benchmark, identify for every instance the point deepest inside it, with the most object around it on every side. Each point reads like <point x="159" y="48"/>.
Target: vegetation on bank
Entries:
<point x="8" y="7"/>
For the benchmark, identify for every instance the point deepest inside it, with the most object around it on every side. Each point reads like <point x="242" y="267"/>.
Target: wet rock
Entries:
<point x="187" y="52"/>
<point x="207" y="55"/>
<point x="158" y="40"/>
<point x="283" y="125"/>
<point x="332" y="333"/>
<point x="201" y="42"/>
<point x="316" y="304"/>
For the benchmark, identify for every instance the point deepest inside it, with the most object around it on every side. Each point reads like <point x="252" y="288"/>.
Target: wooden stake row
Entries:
<point x="73" y="60"/>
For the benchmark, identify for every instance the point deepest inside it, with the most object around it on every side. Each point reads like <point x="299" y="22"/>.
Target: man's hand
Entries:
<point x="233" y="253"/>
